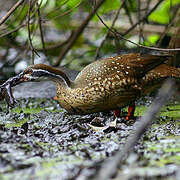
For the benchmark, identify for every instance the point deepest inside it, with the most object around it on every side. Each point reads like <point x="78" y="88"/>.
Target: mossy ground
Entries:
<point x="39" y="140"/>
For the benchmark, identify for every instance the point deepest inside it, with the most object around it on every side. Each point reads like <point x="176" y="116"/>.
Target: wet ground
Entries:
<point x="39" y="140"/>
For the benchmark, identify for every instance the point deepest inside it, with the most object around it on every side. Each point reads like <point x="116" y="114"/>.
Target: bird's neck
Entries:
<point x="55" y="74"/>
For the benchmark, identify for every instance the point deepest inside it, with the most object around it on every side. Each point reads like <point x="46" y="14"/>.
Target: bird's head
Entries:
<point x="40" y="72"/>
<point x="35" y="73"/>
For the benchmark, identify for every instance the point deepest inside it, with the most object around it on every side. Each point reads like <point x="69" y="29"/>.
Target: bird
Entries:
<point x="107" y="84"/>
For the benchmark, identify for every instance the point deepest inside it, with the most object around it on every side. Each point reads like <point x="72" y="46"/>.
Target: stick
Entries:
<point x="3" y="19"/>
<point x="77" y="33"/>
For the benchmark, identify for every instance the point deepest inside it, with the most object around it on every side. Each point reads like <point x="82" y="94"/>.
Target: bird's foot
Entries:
<point x="130" y="116"/>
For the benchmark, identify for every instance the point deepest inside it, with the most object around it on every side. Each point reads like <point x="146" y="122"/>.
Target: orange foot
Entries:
<point x="131" y="109"/>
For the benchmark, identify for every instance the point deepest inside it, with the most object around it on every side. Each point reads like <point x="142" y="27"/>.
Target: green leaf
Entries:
<point x="152" y="39"/>
<point x="161" y="15"/>
<point x="110" y="6"/>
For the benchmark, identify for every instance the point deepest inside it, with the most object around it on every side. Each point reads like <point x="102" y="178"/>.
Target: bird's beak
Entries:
<point x="20" y="78"/>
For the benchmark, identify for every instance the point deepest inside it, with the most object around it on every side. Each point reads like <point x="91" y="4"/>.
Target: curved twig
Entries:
<point x="113" y="23"/>
<point x="77" y="33"/>
<point x="139" y="45"/>
<point x="3" y="19"/>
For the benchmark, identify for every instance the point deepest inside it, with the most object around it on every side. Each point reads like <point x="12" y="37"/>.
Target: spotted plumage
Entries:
<point x="109" y="83"/>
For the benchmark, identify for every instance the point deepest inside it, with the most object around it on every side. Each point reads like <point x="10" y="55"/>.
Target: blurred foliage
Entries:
<point x="60" y="19"/>
<point x="161" y="15"/>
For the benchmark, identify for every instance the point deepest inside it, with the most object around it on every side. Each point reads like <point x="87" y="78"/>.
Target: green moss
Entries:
<point x="166" y="160"/>
<point x="27" y="110"/>
<point x="175" y="150"/>
<point x="170" y="111"/>
<point x="16" y="124"/>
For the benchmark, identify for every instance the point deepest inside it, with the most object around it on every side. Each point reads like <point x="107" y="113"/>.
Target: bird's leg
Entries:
<point x="131" y="110"/>
<point x="117" y="113"/>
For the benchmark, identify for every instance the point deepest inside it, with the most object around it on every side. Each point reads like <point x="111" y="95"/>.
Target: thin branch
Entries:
<point x="29" y="32"/>
<point x="41" y="31"/>
<point x="144" y="18"/>
<point x="113" y="23"/>
<point x="20" y="26"/>
<point x="139" y="45"/>
<point x="57" y="8"/>
<point x="176" y="14"/>
<point x="16" y="18"/>
<point x="3" y="19"/>
<point x="109" y="167"/>
<point x="77" y="33"/>
<point x="14" y="30"/>
<point x="57" y="45"/>
<point x="65" y="13"/>
<point x="128" y="13"/>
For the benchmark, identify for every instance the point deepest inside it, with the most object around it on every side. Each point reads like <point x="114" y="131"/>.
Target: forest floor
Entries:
<point x="39" y="140"/>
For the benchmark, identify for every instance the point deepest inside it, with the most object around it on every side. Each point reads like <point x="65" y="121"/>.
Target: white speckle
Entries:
<point x="97" y="89"/>
<point x="118" y="71"/>
<point x="109" y="82"/>
<point x="99" y="78"/>
<point x="105" y="66"/>
<point x="112" y="69"/>
<point x="138" y="59"/>
<point x="128" y="80"/>
<point x="128" y="67"/>
<point x="115" y="67"/>
<point x="117" y="63"/>
<point x="117" y="77"/>
<point x="102" y="89"/>
<point x="122" y="65"/>
<point x="95" y="79"/>
<point x="108" y="68"/>
<point x="113" y="62"/>
<point x="109" y="78"/>
<point x="135" y="85"/>
<point x="127" y="72"/>
<point x="113" y="85"/>
<point x="119" y="57"/>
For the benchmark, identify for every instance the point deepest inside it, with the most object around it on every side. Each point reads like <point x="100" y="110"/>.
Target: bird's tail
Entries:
<point x="165" y="71"/>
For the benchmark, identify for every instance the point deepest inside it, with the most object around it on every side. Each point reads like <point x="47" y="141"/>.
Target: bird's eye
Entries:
<point x="28" y="71"/>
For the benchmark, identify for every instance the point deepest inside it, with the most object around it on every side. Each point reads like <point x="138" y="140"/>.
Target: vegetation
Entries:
<point x="39" y="140"/>
<point x="73" y="33"/>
